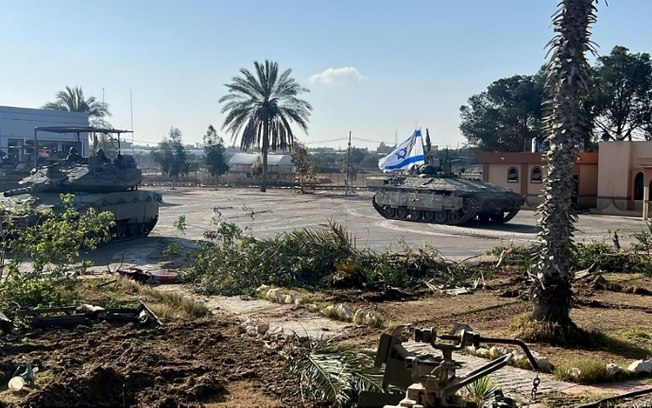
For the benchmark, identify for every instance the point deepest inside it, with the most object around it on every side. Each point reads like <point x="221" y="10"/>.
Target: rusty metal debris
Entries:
<point x="68" y="316"/>
<point x="150" y="277"/>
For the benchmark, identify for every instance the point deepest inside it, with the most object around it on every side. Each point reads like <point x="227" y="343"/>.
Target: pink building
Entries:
<point x="612" y="181"/>
<point x="625" y="169"/>
<point x="523" y="173"/>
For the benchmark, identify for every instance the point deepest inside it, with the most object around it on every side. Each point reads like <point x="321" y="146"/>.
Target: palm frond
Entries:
<point x="333" y="373"/>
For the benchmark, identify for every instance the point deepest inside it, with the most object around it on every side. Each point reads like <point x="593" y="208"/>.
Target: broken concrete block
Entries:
<point x="641" y="366"/>
<point x="612" y="369"/>
<point x="574" y="373"/>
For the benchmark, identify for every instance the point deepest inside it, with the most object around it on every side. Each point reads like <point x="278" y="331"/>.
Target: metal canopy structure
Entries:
<point x="73" y="129"/>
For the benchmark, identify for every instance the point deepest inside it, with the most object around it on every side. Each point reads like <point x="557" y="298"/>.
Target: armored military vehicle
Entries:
<point x="96" y="182"/>
<point x="433" y="193"/>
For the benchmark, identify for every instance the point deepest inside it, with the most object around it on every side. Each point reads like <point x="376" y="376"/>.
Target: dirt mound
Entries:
<point x="187" y="363"/>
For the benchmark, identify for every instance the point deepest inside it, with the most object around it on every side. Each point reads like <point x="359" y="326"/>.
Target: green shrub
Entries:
<point x="230" y="261"/>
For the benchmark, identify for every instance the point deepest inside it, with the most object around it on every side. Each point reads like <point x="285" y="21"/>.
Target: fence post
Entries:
<point x="646" y="202"/>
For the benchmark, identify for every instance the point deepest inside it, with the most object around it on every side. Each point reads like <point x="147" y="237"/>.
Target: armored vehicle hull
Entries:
<point x="135" y="212"/>
<point x="96" y="182"/>
<point x="443" y="200"/>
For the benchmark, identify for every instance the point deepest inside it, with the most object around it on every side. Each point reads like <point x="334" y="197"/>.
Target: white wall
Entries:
<point x="19" y="123"/>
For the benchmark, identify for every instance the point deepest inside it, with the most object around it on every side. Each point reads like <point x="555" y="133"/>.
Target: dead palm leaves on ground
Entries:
<point x="332" y="373"/>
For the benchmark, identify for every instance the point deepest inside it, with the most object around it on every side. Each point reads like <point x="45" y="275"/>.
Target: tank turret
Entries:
<point x="96" y="182"/>
<point x="96" y="174"/>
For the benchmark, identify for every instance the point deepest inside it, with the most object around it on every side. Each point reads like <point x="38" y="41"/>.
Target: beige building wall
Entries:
<point x="587" y="185"/>
<point x="614" y="177"/>
<point x="533" y="197"/>
<point x="620" y="163"/>
<point x="497" y="165"/>
<point x="498" y="176"/>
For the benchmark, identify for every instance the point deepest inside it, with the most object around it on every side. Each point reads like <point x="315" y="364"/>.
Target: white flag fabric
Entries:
<point x="407" y="154"/>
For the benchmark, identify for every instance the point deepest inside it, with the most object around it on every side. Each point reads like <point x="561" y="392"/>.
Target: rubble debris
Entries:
<point x="68" y="316"/>
<point x="140" y="275"/>
<point x="641" y="366"/>
<point x="612" y="369"/>
<point x="448" y="290"/>
<point x="24" y="375"/>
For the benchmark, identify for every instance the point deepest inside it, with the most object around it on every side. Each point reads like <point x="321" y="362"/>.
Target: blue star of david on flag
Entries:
<point x="407" y="154"/>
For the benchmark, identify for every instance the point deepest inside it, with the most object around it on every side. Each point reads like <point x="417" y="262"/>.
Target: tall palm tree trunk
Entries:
<point x="566" y="82"/>
<point x="265" y="148"/>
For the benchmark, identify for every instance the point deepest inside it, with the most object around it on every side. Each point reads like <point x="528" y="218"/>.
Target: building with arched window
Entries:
<point x="523" y="173"/>
<point x="612" y="181"/>
<point x="624" y="172"/>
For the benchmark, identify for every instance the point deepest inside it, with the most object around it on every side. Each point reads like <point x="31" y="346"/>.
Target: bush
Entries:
<point x="38" y="263"/>
<point x="231" y="261"/>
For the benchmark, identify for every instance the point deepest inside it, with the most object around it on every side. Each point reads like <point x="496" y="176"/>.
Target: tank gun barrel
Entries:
<point x="17" y="191"/>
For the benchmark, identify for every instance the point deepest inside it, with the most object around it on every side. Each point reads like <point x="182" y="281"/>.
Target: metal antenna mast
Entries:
<point x="348" y="166"/>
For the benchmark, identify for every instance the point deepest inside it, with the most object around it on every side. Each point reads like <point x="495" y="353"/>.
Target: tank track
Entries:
<point x="123" y="230"/>
<point x="448" y="217"/>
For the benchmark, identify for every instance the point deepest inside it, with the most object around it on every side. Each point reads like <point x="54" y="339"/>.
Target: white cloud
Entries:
<point x="337" y="76"/>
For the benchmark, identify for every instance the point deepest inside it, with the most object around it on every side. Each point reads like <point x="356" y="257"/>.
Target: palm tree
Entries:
<point x="73" y="100"/>
<point x="567" y="78"/>
<point x="261" y="107"/>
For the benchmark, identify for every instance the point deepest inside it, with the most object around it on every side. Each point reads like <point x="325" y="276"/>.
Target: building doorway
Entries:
<point x="638" y="187"/>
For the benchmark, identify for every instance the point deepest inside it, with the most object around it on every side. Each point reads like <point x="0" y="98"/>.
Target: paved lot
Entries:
<point x="281" y="210"/>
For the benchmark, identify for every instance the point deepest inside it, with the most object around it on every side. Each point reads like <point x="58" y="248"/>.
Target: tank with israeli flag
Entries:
<point x="406" y="155"/>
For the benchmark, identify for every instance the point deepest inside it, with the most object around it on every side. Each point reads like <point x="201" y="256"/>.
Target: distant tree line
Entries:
<point x="511" y="111"/>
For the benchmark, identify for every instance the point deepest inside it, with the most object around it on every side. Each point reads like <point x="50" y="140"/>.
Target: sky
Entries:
<point x="376" y="68"/>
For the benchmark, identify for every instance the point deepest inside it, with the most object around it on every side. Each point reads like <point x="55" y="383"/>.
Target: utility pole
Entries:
<point x="348" y="166"/>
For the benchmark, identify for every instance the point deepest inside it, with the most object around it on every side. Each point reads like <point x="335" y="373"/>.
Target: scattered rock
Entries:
<point x="495" y="352"/>
<point x="612" y="369"/>
<point x="641" y="366"/>
<point x="574" y="373"/>
<point x="341" y="311"/>
<point x="254" y="327"/>
<point x="482" y="352"/>
<point x="368" y="318"/>
<point x="278" y="295"/>
<point x="542" y="362"/>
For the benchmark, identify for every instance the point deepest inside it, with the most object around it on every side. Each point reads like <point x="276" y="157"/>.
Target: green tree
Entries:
<point x="506" y="116"/>
<point x="354" y="159"/>
<point x="214" y="154"/>
<point x="73" y="100"/>
<point x="304" y="163"/>
<point x="567" y="77"/>
<point x="39" y="263"/>
<point x="622" y="94"/>
<point x="171" y="155"/>
<point x="261" y="107"/>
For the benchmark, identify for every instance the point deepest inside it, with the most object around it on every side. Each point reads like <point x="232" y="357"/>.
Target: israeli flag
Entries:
<point x="407" y="154"/>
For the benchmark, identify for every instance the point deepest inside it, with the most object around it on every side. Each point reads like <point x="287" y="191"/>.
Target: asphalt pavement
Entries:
<point x="282" y="210"/>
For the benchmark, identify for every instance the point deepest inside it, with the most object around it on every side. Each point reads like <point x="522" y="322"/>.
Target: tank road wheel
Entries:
<point x="390" y="212"/>
<point x="132" y="229"/>
<point x="402" y="213"/>
<point x="441" y="217"/>
<point x="498" y="218"/>
<point x="454" y="217"/>
<point x="415" y="215"/>
<point x="428" y="216"/>
<point x="141" y="229"/>
<point x="120" y="229"/>
<point x="483" y="218"/>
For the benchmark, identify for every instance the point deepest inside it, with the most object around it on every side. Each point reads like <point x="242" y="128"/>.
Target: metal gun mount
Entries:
<point x="430" y="380"/>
